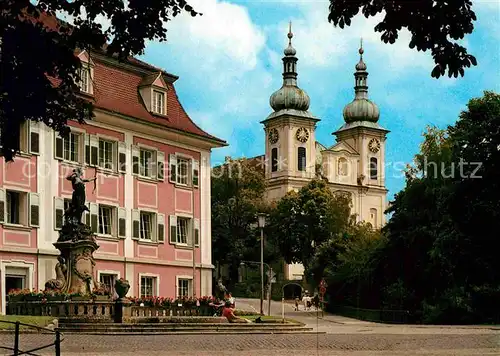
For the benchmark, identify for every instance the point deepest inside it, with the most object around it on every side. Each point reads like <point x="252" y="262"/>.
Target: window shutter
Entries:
<point x="2" y="205"/>
<point x="122" y="157"/>
<point x="161" y="228"/>
<point x="94" y="150"/>
<point x="172" y="159"/>
<point x="122" y="222"/>
<point x="86" y="137"/>
<point x="173" y="229"/>
<point x="59" y="212"/>
<point x="86" y="215"/>
<point x="197" y="232"/>
<point x="196" y="173"/>
<point x="58" y="144"/>
<point x="136" y="224"/>
<point x="135" y="160"/>
<point x="34" y="210"/>
<point x="34" y="138"/>
<point x="94" y="217"/>
<point x="160" y="158"/>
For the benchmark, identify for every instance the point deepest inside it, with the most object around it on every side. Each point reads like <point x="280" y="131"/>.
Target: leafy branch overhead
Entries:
<point x="42" y="87"/>
<point x="433" y="25"/>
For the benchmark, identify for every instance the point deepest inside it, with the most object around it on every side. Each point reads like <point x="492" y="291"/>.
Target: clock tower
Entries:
<point x="367" y="138"/>
<point x="290" y="133"/>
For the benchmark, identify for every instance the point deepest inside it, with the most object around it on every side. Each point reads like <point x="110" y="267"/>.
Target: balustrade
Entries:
<point x="102" y="310"/>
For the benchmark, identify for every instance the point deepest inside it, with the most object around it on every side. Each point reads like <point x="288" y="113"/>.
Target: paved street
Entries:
<point x="341" y="337"/>
<point x="323" y="344"/>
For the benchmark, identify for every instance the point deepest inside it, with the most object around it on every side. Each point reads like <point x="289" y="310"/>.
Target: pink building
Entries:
<point x="150" y="206"/>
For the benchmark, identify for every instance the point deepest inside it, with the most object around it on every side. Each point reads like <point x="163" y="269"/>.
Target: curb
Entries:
<point x="199" y="333"/>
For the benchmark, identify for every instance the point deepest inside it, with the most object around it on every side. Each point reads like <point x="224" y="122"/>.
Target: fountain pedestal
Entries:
<point x="75" y="270"/>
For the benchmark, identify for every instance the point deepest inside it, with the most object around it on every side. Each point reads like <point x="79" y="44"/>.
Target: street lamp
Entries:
<point x="261" y="219"/>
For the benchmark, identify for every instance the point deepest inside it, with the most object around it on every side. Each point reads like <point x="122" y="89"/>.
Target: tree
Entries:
<point x="434" y="26"/>
<point x="304" y="220"/>
<point x="445" y="221"/>
<point x="238" y="189"/>
<point x="38" y="66"/>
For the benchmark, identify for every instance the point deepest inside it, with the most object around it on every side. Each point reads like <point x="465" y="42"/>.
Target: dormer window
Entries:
<point x="158" y="102"/>
<point x="86" y="73"/>
<point x="84" y="82"/>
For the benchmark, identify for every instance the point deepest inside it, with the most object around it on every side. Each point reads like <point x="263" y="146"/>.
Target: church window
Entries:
<point x="301" y="155"/>
<point x="274" y="159"/>
<point x="373" y="217"/>
<point x="342" y="166"/>
<point x="373" y="168"/>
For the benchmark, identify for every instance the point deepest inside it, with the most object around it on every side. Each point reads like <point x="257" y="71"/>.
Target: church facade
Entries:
<point x="353" y="164"/>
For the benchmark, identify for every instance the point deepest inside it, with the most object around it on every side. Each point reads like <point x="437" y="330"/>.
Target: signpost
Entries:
<point x="322" y="291"/>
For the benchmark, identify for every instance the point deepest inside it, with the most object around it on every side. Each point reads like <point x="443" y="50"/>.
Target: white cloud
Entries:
<point x="217" y="56"/>
<point x="321" y="44"/>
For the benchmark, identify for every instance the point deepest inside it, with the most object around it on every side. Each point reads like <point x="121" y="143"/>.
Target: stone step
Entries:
<point x="178" y="325"/>
<point x="203" y="332"/>
<point x="172" y="328"/>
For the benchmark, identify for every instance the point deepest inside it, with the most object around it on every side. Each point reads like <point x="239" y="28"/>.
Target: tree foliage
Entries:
<point x="304" y="220"/>
<point x="437" y="256"/>
<point x="238" y="190"/>
<point x="433" y="25"/>
<point x="35" y="49"/>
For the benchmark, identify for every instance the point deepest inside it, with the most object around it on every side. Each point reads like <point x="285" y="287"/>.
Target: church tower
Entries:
<point x="290" y="133"/>
<point x="362" y="132"/>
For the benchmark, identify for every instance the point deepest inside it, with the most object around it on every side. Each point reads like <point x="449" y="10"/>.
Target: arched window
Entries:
<point x="373" y="168"/>
<point x="274" y="159"/>
<point x="373" y="217"/>
<point x="342" y="166"/>
<point x="301" y="155"/>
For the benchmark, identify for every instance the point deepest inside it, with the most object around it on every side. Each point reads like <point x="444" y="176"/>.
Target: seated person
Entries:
<point x="228" y="313"/>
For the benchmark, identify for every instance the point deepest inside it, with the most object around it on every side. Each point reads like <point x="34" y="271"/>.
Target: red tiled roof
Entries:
<point x="117" y="90"/>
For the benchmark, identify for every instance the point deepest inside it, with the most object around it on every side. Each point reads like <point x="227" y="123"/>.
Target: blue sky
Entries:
<point x="229" y="63"/>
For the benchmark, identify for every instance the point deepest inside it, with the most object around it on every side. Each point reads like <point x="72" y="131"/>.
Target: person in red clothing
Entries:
<point x="228" y="313"/>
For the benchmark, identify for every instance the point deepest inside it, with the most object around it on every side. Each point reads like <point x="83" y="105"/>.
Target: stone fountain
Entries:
<point x="76" y="243"/>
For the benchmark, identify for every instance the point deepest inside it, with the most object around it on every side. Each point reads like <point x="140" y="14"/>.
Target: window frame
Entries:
<point x="115" y="275"/>
<point x="181" y="161"/>
<point x="274" y="159"/>
<point x="112" y="223"/>
<point x="188" y="229"/>
<point x="112" y="152"/>
<point x="152" y="229"/>
<point x="181" y="279"/>
<point x="78" y="147"/>
<point x="85" y="72"/>
<point x="301" y="166"/>
<point x="22" y="207"/>
<point x="373" y="168"/>
<point x="155" y="104"/>
<point x="154" y="284"/>
<point x="142" y="167"/>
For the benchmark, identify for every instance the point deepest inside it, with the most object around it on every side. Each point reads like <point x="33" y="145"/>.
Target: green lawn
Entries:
<point x="41" y="321"/>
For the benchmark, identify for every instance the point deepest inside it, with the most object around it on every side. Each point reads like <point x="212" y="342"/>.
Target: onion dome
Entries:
<point x="361" y="108"/>
<point x="289" y="96"/>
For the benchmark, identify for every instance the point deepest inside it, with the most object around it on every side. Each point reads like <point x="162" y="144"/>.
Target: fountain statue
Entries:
<point x="76" y="243"/>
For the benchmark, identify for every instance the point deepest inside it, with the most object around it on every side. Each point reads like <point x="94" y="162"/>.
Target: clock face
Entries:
<point x="302" y="134"/>
<point x="273" y="136"/>
<point x="374" y="145"/>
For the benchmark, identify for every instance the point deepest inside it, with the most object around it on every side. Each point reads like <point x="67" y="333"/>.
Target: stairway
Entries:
<point x="181" y="328"/>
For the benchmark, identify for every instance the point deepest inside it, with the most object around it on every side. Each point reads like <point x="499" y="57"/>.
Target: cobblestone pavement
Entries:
<point x="276" y="345"/>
